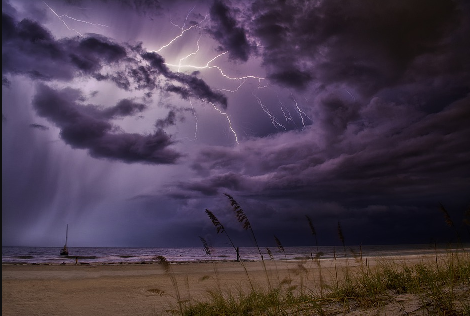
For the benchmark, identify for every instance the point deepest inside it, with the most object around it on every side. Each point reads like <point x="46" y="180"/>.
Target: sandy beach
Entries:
<point x="146" y="289"/>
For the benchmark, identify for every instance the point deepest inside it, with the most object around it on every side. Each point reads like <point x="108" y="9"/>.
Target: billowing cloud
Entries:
<point x="225" y="30"/>
<point x="39" y="126"/>
<point x="124" y="107"/>
<point x="361" y="115"/>
<point x="305" y="43"/>
<point x="26" y="42"/>
<point x="81" y="129"/>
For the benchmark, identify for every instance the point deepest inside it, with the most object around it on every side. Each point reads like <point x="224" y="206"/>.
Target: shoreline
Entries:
<point x="72" y="260"/>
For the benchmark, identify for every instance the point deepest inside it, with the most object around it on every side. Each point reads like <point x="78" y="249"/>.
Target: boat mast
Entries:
<point x="66" y="235"/>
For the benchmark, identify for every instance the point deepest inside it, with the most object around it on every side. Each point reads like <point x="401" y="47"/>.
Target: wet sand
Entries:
<point x="146" y="289"/>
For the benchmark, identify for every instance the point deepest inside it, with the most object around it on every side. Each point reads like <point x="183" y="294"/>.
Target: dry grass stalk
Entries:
<point x="241" y="216"/>
<point x="207" y="249"/>
<point x="270" y="254"/>
<point x="215" y="221"/>
<point x="221" y="229"/>
<point x="466" y="218"/>
<point x="449" y="221"/>
<point x="279" y="244"/>
<point x="446" y="215"/>
<point x="341" y="236"/>
<point x="312" y="229"/>
<point x="166" y="266"/>
<point x="164" y="262"/>
<point x="243" y="219"/>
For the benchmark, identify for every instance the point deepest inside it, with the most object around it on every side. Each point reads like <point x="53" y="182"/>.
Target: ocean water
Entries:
<point x="116" y="255"/>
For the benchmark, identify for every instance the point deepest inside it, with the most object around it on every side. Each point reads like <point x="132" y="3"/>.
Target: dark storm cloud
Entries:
<point x="183" y="92"/>
<point x="156" y="62"/>
<point x="28" y="48"/>
<point x="125" y="107"/>
<point x="91" y="51"/>
<point x="384" y="86"/>
<point x="5" y="82"/>
<point x="225" y="30"/>
<point x="292" y="77"/>
<point x="26" y="43"/>
<point x="81" y="127"/>
<point x="142" y="7"/>
<point x="143" y="78"/>
<point x="366" y="45"/>
<point x="39" y="126"/>
<point x="385" y="156"/>
<point x="192" y="86"/>
<point x="211" y="186"/>
<point x="197" y="88"/>
<point x="168" y="121"/>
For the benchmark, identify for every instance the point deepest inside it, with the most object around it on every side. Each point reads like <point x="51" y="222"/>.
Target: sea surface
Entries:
<point x="116" y="255"/>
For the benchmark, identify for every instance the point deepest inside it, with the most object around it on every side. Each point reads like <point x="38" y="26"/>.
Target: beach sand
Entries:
<point x="145" y="289"/>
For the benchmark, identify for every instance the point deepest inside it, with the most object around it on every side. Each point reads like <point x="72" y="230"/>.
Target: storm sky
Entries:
<point x="128" y="119"/>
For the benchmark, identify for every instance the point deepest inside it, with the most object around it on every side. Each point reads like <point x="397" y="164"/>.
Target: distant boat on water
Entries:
<point x="64" y="251"/>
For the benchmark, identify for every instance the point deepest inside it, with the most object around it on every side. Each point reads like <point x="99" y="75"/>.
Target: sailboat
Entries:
<point x="64" y="251"/>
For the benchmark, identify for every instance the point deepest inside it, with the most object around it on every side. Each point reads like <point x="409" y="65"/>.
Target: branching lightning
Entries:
<point x="274" y="121"/>
<point x="181" y="65"/>
<point x="183" y="31"/>
<point x="208" y="66"/>
<point x="287" y="116"/>
<point x="352" y="96"/>
<point x="228" y="120"/>
<point x="190" y="54"/>
<point x="195" y="117"/>
<point x="236" y="90"/>
<point x="60" y="17"/>
<point x="301" y="113"/>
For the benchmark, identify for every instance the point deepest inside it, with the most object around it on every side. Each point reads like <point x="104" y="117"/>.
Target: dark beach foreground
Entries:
<point x="149" y="289"/>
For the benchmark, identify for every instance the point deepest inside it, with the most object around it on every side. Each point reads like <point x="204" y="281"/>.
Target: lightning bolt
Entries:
<point x="183" y="31"/>
<point x="287" y="116"/>
<point x="274" y="121"/>
<point x="60" y="17"/>
<point x="352" y="96"/>
<point x="228" y="120"/>
<point x="82" y="21"/>
<point x="301" y="113"/>
<point x="195" y="117"/>
<point x="233" y="91"/>
<point x="190" y="54"/>
<point x="208" y="66"/>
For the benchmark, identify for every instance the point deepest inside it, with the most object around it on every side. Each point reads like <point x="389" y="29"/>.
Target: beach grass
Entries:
<point x="436" y="285"/>
<point x="424" y="288"/>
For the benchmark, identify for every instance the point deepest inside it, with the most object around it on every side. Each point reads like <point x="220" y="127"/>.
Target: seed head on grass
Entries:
<point x="340" y="235"/>
<point x="270" y="254"/>
<point x="446" y="215"/>
<point x="466" y="217"/>
<point x="312" y="229"/>
<point x="310" y="224"/>
<point x="207" y="249"/>
<point x="243" y="219"/>
<point x="215" y="221"/>
<point x="165" y="264"/>
<point x="221" y="229"/>
<point x="241" y="216"/>
<point x="279" y="244"/>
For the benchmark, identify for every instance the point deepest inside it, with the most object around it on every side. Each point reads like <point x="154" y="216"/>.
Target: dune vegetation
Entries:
<point x="434" y="285"/>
